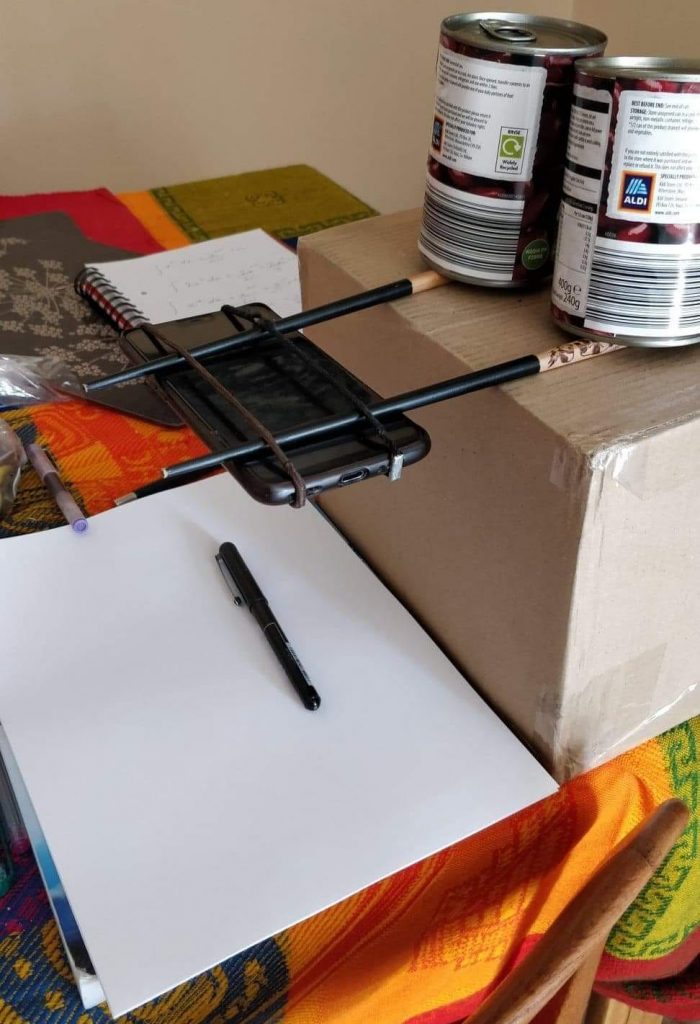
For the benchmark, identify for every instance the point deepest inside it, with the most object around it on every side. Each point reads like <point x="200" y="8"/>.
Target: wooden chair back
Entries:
<point x="564" y="961"/>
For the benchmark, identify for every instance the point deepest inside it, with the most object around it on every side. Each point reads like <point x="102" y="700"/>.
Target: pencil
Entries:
<point x="421" y="282"/>
<point x="570" y="354"/>
<point x="154" y="487"/>
<point x="48" y="474"/>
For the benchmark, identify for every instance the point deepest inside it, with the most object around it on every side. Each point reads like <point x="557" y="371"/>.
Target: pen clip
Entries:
<point x="238" y="598"/>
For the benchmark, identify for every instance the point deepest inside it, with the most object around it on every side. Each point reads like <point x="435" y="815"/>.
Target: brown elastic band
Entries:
<point x="269" y="327"/>
<point x="253" y="422"/>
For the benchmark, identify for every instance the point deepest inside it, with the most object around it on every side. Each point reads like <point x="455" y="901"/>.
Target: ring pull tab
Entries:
<point x="506" y="31"/>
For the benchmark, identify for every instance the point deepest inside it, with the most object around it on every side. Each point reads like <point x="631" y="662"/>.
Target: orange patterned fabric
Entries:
<point x="108" y="454"/>
<point x="429" y="943"/>
<point x="100" y="454"/>
<point x="154" y="218"/>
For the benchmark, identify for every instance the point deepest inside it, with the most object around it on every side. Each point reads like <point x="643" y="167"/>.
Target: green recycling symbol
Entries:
<point x="511" y="146"/>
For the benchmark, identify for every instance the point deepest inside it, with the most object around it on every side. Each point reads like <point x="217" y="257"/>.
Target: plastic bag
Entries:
<point x="12" y="458"/>
<point x="32" y="380"/>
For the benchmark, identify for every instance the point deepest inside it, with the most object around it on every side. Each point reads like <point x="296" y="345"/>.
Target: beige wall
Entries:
<point x="134" y="93"/>
<point x="670" y="28"/>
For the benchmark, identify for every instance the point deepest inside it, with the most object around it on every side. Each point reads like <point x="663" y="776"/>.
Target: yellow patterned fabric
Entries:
<point x="286" y="202"/>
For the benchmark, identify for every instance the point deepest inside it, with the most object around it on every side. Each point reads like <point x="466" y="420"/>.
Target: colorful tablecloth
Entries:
<point x="427" y="944"/>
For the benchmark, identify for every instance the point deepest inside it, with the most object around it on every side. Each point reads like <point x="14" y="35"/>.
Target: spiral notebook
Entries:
<point x="238" y="269"/>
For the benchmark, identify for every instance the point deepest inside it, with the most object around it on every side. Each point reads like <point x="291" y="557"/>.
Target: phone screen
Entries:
<point x="284" y="391"/>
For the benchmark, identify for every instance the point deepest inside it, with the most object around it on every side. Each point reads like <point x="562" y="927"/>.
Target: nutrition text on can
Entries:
<point x="628" y="254"/>
<point x="496" y="162"/>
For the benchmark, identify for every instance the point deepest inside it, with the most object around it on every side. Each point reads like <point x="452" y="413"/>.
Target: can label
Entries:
<point x="578" y="214"/>
<point x="496" y="161"/>
<point x="628" y="258"/>
<point x="465" y="230"/>
<point x="487" y="116"/>
<point x="656" y="158"/>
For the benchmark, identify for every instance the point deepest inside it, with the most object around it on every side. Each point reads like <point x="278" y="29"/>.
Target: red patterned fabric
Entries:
<point x="98" y="213"/>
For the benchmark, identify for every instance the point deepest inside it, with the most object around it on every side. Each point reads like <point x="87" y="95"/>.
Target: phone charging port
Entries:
<point x="353" y="477"/>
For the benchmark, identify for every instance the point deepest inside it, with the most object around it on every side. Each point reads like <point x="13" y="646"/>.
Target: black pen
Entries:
<point x="246" y="591"/>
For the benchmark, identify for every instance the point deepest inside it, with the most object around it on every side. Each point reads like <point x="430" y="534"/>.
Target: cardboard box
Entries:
<point x="550" y="541"/>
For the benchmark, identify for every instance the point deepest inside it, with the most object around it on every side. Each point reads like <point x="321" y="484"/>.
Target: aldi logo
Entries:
<point x="637" y="191"/>
<point x="438" y="131"/>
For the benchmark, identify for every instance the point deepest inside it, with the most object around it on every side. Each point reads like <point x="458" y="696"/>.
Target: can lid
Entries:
<point x="524" y="33"/>
<point x="507" y="31"/>
<point x="674" y="69"/>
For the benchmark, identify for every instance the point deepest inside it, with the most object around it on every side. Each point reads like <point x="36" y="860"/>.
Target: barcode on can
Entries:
<point x="470" y="235"/>
<point x="644" y="289"/>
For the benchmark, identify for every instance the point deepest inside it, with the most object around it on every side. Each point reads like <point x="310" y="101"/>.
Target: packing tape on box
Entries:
<point x="626" y="463"/>
<point x="610" y="748"/>
<point x="599" y="739"/>
<point x="570" y="470"/>
<point x="630" y="462"/>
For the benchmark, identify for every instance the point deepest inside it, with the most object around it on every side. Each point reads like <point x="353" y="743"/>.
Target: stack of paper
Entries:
<point x="175" y="774"/>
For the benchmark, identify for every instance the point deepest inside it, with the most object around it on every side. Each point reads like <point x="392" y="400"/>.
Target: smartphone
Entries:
<point x="283" y="391"/>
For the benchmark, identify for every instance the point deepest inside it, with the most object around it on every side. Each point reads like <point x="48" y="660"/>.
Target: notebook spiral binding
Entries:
<point x="98" y="289"/>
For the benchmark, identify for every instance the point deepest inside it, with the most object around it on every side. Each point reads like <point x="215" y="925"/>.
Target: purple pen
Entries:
<point x="54" y="485"/>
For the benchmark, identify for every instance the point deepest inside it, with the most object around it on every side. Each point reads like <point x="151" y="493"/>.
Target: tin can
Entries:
<point x="496" y="161"/>
<point x="628" y="253"/>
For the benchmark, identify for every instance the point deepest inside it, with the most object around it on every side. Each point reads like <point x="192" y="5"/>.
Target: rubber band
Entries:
<point x="268" y="327"/>
<point x="253" y="422"/>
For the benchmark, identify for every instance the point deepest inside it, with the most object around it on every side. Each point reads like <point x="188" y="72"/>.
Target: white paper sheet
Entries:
<point x="88" y="984"/>
<point x="191" y="804"/>
<point x="247" y="267"/>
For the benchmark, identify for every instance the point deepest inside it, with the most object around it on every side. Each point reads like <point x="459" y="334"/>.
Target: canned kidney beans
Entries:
<point x="496" y="162"/>
<point x="628" y="254"/>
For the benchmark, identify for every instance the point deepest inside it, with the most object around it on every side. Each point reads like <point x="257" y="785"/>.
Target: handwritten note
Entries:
<point x="247" y="267"/>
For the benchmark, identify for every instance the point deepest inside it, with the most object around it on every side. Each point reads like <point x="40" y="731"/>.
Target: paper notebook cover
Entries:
<point x="40" y="314"/>
<point x="192" y="806"/>
<point x="238" y="269"/>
